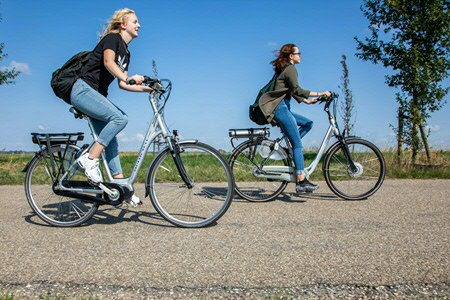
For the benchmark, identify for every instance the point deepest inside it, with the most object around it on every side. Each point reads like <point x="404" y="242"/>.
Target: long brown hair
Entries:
<point x="282" y="57"/>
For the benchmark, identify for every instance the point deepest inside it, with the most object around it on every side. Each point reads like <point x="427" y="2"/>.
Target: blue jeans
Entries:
<point x="295" y="127"/>
<point x="106" y="118"/>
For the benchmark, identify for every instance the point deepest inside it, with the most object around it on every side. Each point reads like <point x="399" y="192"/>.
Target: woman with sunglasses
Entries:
<point x="276" y="106"/>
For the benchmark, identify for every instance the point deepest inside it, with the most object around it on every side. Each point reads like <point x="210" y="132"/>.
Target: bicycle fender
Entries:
<point x="147" y="184"/>
<point x="36" y="154"/>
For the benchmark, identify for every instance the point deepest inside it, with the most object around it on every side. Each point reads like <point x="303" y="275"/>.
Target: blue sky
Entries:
<point x="217" y="55"/>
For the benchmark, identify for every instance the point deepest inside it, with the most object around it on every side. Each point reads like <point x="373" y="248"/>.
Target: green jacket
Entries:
<point x="286" y="87"/>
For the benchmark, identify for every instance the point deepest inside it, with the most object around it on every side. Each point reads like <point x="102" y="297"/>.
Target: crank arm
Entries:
<point x="106" y="189"/>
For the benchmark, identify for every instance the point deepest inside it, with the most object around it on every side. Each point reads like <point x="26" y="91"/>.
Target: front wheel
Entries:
<point x="40" y="180"/>
<point x="210" y="190"/>
<point x="361" y="181"/>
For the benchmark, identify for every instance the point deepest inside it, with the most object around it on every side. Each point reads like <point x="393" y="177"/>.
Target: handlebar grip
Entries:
<point x="132" y="82"/>
<point x="150" y="80"/>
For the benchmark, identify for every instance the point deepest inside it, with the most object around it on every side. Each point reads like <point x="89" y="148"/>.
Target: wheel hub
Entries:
<point x="356" y="173"/>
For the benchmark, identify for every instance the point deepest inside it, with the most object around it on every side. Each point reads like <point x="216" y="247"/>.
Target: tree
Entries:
<point x="6" y="75"/>
<point x="413" y="38"/>
<point x="347" y="107"/>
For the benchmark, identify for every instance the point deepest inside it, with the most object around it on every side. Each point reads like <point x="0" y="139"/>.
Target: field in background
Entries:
<point x="11" y="166"/>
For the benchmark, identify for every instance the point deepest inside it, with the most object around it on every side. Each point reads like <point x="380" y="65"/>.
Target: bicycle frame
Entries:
<point x="156" y="128"/>
<point x="288" y="173"/>
<point x="333" y="130"/>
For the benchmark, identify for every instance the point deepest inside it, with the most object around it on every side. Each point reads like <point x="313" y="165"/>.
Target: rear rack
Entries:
<point x="57" y="138"/>
<point x="48" y="140"/>
<point x="248" y="133"/>
<point x="52" y="139"/>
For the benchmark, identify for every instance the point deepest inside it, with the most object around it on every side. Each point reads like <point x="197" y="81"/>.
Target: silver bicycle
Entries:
<point x="354" y="168"/>
<point x="189" y="183"/>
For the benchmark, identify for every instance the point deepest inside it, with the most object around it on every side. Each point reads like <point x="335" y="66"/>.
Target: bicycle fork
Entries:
<point x="175" y="150"/>
<point x="352" y="166"/>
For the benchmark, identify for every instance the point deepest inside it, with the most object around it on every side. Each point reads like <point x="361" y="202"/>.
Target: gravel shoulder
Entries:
<point x="394" y="244"/>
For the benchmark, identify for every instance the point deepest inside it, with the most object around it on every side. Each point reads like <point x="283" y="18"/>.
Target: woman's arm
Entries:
<point x="133" y="88"/>
<point x="300" y="94"/>
<point x="122" y="77"/>
<point x="291" y="76"/>
<point x="317" y="95"/>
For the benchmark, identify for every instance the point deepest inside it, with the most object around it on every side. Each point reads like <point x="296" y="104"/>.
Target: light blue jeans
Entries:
<point x="106" y="118"/>
<point x="295" y="127"/>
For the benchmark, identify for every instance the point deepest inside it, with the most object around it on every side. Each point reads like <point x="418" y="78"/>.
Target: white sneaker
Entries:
<point x="91" y="167"/>
<point x="134" y="201"/>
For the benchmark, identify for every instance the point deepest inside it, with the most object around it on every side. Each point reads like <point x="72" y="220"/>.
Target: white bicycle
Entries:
<point x="354" y="168"/>
<point x="189" y="183"/>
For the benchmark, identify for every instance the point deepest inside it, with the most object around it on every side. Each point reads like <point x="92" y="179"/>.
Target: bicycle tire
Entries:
<point x="359" y="184"/>
<point x="55" y="210"/>
<point x="208" y="199"/>
<point x="243" y="166"/>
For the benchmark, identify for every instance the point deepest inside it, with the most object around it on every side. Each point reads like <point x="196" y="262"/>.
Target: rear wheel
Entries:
<point x="246" y="161"/>
<point x="354" y="183"/>
<point x="39" y="182"/>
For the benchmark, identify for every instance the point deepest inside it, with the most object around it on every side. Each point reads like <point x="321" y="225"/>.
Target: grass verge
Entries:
<point x="11" y="166"/>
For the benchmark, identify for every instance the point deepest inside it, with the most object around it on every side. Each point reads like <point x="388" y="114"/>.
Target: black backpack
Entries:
<point x="255" y="112"/>
<point x="64" y="78"/>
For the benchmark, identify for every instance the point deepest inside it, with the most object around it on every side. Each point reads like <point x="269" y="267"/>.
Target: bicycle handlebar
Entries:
<point x="154" y="83"/>
<point x="324" y="98"/>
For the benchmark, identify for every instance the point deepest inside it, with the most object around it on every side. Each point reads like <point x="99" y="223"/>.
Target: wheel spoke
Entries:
<point x="200" y="205"/>
<point x="365" y="176"/>
<point x="243" y="167"/>
<point x="54" y="209"/>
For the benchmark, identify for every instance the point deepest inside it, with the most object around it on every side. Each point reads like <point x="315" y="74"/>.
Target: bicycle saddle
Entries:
<point x="77" y="114"/>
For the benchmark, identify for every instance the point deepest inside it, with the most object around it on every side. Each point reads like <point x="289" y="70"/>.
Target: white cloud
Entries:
<point x="122" y="137"/>
<point x="21" y="67"/>
<point x="139" y="137"/>
<point x="433" y="128"/>
<point x="42" y="127"/>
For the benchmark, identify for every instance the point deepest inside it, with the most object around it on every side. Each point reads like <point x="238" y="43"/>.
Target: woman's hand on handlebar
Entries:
<point x="328" y="94"/>
<point x="325" y="96"/>
<point x="135" y="79"/>
<point x="311" y="101"/>
<point x="321" y="96"/>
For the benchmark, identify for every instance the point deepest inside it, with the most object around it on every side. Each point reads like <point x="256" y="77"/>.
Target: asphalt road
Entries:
<point x="395" y="243"/>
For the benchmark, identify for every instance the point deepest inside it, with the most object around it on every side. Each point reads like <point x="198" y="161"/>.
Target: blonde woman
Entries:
<point x="110" y="59"/>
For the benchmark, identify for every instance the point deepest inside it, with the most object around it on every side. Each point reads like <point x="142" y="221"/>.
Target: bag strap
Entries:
<point x="274" y="78"/>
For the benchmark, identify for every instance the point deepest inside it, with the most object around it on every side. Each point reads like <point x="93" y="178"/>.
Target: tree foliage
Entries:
<point x="347" y="108"/>
<point x="6" y="75"/>
<point x="412" y="37"/>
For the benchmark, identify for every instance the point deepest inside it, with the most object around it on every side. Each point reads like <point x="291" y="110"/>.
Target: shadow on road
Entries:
<point x="113" y="215"/>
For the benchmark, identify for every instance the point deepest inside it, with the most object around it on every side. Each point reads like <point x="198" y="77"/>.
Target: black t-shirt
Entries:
<point x="94" y="72"/>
